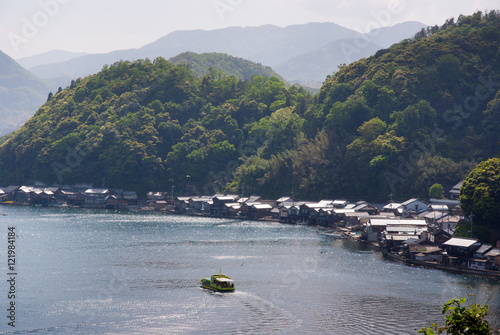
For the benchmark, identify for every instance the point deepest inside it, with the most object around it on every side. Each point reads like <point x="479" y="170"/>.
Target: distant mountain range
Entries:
<point x="54" y="56"/>
<point x="21" y="94"/>
<point x="396" y="123"/>
<point x="302" y="53"/>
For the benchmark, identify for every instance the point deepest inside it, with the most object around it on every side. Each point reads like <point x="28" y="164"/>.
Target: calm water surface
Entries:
<point x="97" y="272"/>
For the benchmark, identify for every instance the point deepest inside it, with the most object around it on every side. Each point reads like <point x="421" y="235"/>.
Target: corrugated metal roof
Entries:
<point x="397" y="237"/>
<point x="392" y="205"/>
<point x="403" y="229"/>
<point x="401" y="222"/>
<point x="482" y="249"/>
<point x="493" y="252"/>
<point x="262" y="206"/>
<point x="409" y="201"/>
<point x="460" y="242"/>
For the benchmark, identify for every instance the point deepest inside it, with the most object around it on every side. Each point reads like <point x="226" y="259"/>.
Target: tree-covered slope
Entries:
<point x="424" y="111"/>
<point x="240" y="68"/>
<point x="143" y="125"/>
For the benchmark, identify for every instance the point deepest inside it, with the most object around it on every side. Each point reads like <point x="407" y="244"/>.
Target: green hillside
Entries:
<point x="424" y="111"/>
<point x="241" y="68"/>
<point x="143" y="125"/>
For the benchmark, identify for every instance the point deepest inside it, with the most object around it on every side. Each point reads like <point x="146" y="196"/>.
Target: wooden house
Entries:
<point x="259" y="211"/>
<point x="182" y="204"/>
<point x="232" y="209"/>
<point x="461" y="247"/>
<point x="11" y="192"/>
<point x="440" y="237"/>
<point x="455" y="191"/>
<point x="218" y="208"/>
<point x="339" y="203"/>
<point x="414" y="205"/>
<point x="96" y="197"/>
<point x="430" y="254"/>
<point x="200" y="204"/>
<point x="160" y="205"/>
<point x="71" y="198"/>
<point x="283" y="200"/>
<point x="493" y="257"/>
<point x="23" y="194"/>
<point x="289" y="214"/>
<point x="391" y="207"/>
<point x="130" y="197"/>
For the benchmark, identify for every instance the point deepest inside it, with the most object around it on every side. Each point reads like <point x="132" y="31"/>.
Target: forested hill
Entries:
<point x="425" y="111"/>
<point x="144" y="126"/>
<point x="241" y="68"/>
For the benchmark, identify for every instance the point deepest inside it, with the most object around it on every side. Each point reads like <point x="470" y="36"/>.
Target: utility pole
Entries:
<point x="173" y="202"/>
<point x="471" y="222"/>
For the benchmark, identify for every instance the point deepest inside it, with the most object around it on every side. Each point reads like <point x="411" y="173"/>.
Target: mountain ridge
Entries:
<point x="393" y="123"/>
<point x="256" y="44"/>
<point x="21" y="93"/>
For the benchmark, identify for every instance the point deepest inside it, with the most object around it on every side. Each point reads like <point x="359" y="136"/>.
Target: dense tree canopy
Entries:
<point x="480" y="194"/>
<point x="421" y="112"/>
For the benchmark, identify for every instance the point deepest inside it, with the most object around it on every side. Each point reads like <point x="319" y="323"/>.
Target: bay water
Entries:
<point x="102" y="272"/>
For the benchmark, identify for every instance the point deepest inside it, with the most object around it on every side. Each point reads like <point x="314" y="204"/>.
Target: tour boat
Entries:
<point x="218" y="282"/>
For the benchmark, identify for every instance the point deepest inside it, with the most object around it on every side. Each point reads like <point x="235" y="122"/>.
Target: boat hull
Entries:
<point x="210" y="285"/>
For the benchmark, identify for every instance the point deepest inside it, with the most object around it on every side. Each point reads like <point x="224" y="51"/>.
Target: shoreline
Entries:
<point x="432" y="265"/>
<point x="345" y="232"/>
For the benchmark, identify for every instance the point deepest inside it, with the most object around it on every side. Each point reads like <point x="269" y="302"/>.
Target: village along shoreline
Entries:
<point x="413" y="232"/>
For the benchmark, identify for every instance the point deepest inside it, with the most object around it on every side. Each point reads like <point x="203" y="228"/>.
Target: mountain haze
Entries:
<point x="424" y="111"/>
<point x="324" y="61"/>
<point x="55" y="56"/>
<point x="269" y="45"/>
<point x="21" y="93"/>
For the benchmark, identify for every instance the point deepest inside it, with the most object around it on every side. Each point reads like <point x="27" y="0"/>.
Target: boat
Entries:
<point x="335" y="235"/>
<point x="218" y="283"/>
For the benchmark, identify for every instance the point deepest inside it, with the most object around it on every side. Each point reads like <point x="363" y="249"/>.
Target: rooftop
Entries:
<point x="400" y="222"/>
<point x="461" y="242"/>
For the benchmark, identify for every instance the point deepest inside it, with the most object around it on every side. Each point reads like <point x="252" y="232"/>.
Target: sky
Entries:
<point x="30" y="27"/>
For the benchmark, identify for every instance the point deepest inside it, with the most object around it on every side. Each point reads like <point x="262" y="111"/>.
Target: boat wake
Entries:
<point x="261" y="316"/>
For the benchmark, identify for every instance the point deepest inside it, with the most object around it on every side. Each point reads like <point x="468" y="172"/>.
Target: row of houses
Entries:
<point x="57" y="196"/>
<point x="324" y="212"/>
<point x="425" y="242"/>
<point x="413" y="230"/>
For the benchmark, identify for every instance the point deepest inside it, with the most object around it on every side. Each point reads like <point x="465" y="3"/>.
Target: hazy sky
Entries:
<point x="29" y="27"/>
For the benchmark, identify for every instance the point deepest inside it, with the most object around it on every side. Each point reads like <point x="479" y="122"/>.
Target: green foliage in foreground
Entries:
<point x="460" y="319"/>
<point x="419" y="113"/>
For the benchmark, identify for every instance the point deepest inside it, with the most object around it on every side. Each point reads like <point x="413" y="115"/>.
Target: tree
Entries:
<point x="461" y="319"/>
<point x="436" y="191"/>
<point x="480" y="194"/>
